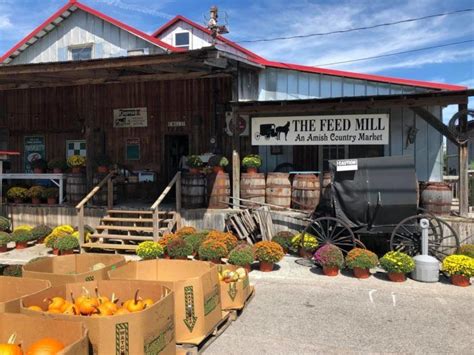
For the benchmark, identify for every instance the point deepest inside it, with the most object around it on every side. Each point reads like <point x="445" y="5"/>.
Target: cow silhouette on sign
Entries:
<point x="283" y="129"/>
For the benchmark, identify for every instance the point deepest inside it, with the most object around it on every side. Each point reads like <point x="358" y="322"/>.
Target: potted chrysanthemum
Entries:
<point x="460" y="268"/>
<point x="268" y="253"/>
<point x="397" y="265"/>
<point x="330" y="258"/>
<point x="149" y="250"/>
<point x="361" y="261"/>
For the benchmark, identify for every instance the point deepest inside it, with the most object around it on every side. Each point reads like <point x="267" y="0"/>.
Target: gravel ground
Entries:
<point x="297" y="310"/>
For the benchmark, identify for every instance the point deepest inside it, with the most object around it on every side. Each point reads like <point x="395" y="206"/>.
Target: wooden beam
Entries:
<point x="437" y="124"/>
<point x="235" y="144"/>
<point x="463" y="167"/>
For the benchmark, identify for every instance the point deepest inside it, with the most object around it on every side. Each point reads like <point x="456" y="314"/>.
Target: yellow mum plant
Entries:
<point x="459" y="265"/>
<point x="76" y="161"/>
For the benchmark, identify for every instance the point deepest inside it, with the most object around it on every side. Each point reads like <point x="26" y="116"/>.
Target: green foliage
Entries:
<point x="41" y="232"/>
<point x="22" y="236"/>
<point x="39" y="164"/>
<point x="13" y="270"/>
<point x="57" y="163"/>
<point x="284" y="239"/>
<point x="212" y="249"/>
<point x="195" y="240"/>
<point x="179" y="248"/>
<point x="5" y="224"/>
<point x="218" y="160"/>
<point x="51" y="240"/>
<point x="68" y="242"/>
<point x="396" y="261"/>
<point x="252" y="161"/>
<point x="194" y="161"/>
<point x="362" y="258"/>
<point x="242" y="255"/>
<point x="149" y="250"/>
<point x="466" y="249"/>
<point x="36" y="192"/>
<point x="50" y="192"/>
<point x="4" y="238"/>
<point x="17" y="193"/>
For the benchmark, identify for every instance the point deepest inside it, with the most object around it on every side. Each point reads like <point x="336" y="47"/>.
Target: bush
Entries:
<point x="310" y="243"/>
<point x="4" y="239"/>
<point x="242" y="256"/>
<point x="57" y="163"/>
<point x="396" y="261"/>
<point x="39" y="164"/>
<point x="5" y="224"/>
<point x="329" y="256"/>
<point x="50" y="192"/>
<point x="227" y="238"/>
<point x="362" y="258"/>
<point x="194" y="161"/>
<point x="41" y="232"/>
<point x="179" y="248"/>
<point x="269" y="252"/>
<point x="76" y="161"/>
<point x="185" y="231"/>
<point x="212" y="249"/>
<point x="252" y="161"/>
<point x="15" y="193"/>
<point x="195" y="240"/>
<point x="13" y="270"/>
<point x="466" y="249"/>
<point x="149" y="250"/>
<point x="50" y="240"/>
<point x="36" y="192"/>
<point x="22" y="236"/>
<point x="459" y="265"/>
<point x="165" y="240"/>
<point x="284" y="239"/>
<point x="67" y="242"/>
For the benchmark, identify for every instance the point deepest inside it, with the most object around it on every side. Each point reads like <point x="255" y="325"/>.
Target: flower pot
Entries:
<point x="55" y="251"/>
<point x="252" y="170"/>
<point x="35" y="200"/>
<point x="57" y="171"/>
<point x="21" y="245"/>
<point x="76" y="169"/>
<point x="38" y="171"/>
<point x="330" y="270"/>
<point x="361" y="273"/>
<point x="18" y="200"/>
<point x="181" y="258"/>
<point x="216" y="261"/>
<point x="194" y="171"/>
<point x="460" y="280"/>
<point x="51" y="200"/>
<point x="397" y="276"/>
<point x="3" y="248"/>
<point x="66" y="252"/>
<point x="247" y="268"/>
<point x="266" y="267"/>
<point x="103" y="169"/>
<point x="218" y="169"/>
<point x="305" y="253"/>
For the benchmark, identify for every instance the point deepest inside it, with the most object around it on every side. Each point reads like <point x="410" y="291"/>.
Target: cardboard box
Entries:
<point x="196" y="288"/>
<point x="28" y="330"/>
<point x="150" y="331"/>
<point x="12" y="289"/>
<point x="234" y="294"/>
<point x="72" y="268"/>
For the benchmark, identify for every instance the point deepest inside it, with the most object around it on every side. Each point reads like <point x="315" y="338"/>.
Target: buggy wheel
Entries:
<point x="442" y="239"/>
<point x="330" y="230"/>
<point x="257" y="135"/>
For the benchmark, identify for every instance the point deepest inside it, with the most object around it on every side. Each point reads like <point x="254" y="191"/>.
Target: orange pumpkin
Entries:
<point x="45" y="346"/>
<point x="35" y="308"/>
<point x="10" y="348"/>
<point x="135" y="305"/>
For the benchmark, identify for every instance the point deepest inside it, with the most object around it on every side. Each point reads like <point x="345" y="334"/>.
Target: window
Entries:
<point x="181" y="40"/>
<point x="138" y="51"/>
<point x="81" y="53"/>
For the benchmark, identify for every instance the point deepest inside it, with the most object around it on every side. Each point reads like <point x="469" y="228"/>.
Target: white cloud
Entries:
<point x="5" y="22"/>
<point x="144" y="9"/>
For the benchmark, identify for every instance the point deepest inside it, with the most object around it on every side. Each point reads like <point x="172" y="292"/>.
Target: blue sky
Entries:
<point x="271" y="18"/>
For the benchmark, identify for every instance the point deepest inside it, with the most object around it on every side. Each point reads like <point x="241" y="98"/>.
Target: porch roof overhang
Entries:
<point x="415" y="102"/>
<point x="203" y="63"/>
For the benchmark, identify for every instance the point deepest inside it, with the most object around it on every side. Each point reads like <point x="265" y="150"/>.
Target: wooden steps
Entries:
<point x="91" y="245"/>
<point x="140" y="212"/>
<point x="124" y="219"/>
<point x="125" y="228"/>
<point x="120" y="237"/>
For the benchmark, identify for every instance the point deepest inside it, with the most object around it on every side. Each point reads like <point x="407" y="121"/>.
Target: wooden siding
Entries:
<point x="83" y="28"/>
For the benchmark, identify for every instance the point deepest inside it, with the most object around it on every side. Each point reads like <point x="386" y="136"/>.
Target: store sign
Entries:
<point x="347" y="165"/>
<point x="177" y="124"/>
<point x="321" y="130"/>
<point x="34" y="149"/>
<point x="130" y="117"/>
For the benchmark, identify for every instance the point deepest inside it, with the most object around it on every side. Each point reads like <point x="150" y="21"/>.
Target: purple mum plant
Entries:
<point x="329" y="256"/>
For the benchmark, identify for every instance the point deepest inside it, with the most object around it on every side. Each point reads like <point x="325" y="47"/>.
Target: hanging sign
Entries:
<point x="34" y="149"/>
<point x="321" y="130"/>
<point x="347" y="165"/>
<point x="130" y="117"/>
<point x="132" y="149"/>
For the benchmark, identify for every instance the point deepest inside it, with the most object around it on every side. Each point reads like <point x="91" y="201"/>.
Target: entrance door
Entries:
<point x="176" y="146"/>
<point x="331" y="152"/>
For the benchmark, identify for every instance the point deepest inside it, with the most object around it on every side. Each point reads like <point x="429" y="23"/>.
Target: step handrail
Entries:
<point x="108" y="179"/>
<point x="155" y="207"/>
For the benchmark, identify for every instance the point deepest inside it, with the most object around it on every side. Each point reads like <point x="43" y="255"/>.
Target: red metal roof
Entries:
<point x="74" y="4"/>
<point x="309" y="69"/>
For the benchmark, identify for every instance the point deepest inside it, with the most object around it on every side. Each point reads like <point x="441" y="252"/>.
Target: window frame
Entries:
<point x="80" y="46"/>
<point x="187" y="46"/>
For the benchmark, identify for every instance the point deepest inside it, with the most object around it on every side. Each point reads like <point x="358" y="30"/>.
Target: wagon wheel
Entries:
<point x="330" y="230"/>
<point x="442" y="239"/>
<point x="257" y="135"/>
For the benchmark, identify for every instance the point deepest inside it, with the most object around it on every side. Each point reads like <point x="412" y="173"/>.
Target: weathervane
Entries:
<point x="213" y="25"/>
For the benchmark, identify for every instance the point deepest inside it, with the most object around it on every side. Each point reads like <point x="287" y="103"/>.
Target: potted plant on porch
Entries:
<point x="284" y="238"/>
<point x="360" y="261"/>
<point x="39" y="166"/>
<point x="76" y="163"/>
<point x="4" y="240"/>
<point x="17" y="194"/>
<point x="57" y="165"/>
<point x="305" y="244"/>
<point x="460" y="268"/>
<point x="41" y="232"/>
<point x="330" y="258"/>
<point x="218" y="163"/>
<point x="397" y="265"/>
<point x="21" y="237"/>
<point x="149" y="250"/>
<point x="67" y="244"/>
<point x="213" y="250"/>
<point x="252" y="162"/>
<point x="195" y="240"/>
<point x="178" y="248"/>
<point x="36" y="193"/>
<point x="195" y="164"/>
<point x="5" y="224"/>
<point x="103" y="162"/>
<point x="268" y="253"/>
<point x="51" y="195"/>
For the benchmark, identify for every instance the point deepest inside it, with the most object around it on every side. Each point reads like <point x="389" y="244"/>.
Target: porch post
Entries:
<point x="235" y="142"/>
<point x="463" y="167"/>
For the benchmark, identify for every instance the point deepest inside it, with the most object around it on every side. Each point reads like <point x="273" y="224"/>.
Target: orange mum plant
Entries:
<point x="269" y="252"/>
<point x="227" y="238"/>
<point x="185" y="231"/>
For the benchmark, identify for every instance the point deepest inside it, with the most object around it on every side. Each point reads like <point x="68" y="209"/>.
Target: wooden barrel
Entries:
<point x="278" y="190"/>
<point x="252" y="187"/>
<point x="218" y="190"/>
<point x="100" y="198"/>
<point x="76" y="188"/>
<point x="436" y="197"/>
<point x="193" y="190"/>
<point x="305" y="192"/>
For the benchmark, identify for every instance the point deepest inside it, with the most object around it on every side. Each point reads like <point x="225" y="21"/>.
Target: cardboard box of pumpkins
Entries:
<point x="73" y="268"/>
<point x="122" y="317"/>
<point x="12" y="289"/>
<point x="234" y="286"/>
<point x="196" y="288"/>
<point x="22" y="334"/>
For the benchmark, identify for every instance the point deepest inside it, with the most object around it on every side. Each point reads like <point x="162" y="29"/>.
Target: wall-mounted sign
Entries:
<point x="132" y="149"/>
<point x="321" y="130"/>
<point x="130" y="117"/>
<point x="34" y="149"/>
<point x="76" y="147"/>
<point x="241" y="128"/>
<point x="177" y="124"/>
<point x="347" y="165"/>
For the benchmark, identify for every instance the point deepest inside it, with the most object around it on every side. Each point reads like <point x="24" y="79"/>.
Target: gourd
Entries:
<point x="10" y="348"/>
<point x="45" y="346"/>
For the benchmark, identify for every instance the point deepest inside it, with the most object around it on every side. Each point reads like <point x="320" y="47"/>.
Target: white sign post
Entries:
<point x="130" y="117"/>
<point x="364" y="129"/>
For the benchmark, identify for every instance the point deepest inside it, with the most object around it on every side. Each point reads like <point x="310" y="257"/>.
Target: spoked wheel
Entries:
<point x="442" y="239"/>
<point x="330" y="230"/>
